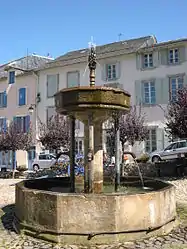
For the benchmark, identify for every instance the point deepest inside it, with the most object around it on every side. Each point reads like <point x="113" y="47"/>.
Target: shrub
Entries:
<point x="143" y="159"/>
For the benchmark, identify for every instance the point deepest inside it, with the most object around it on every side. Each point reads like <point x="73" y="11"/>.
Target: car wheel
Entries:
<point x="156" y="159"/>
<point x="35" y="167"/>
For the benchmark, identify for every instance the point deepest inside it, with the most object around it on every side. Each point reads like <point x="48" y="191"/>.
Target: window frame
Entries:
<point x="149" y="82"/>
<point x="47" y="115"/>
<point x="150" y="140"/>
<point x="149" y="64"/>
<point x="176" y="78"/>
<point x="72" y="72"/>
<point x="11" y="77"/>
<point x="57" y="84"/>
<point x="112" y="65"/>
<point x="25" y="103"/>
<point x="173" y="60"/>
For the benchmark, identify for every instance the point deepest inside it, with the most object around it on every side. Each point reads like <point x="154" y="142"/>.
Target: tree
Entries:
<point x="14" y="138"/>
<point x="56" y="133"/>
<point x="176" y="124"/>
<point x="132" y="128"/>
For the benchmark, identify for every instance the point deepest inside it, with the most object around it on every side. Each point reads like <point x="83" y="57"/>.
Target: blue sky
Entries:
<point x="58" y="26"/>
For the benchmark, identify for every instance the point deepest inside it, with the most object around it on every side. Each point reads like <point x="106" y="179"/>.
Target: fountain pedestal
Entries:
<point x="92" y="105"/>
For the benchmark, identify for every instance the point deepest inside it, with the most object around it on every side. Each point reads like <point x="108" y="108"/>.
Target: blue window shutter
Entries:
<point x="4" y="99"/>
<point x="22" y="96"/>
<point x="4" y="125"/>
<point x="27" y="123"/>
<point x="11" y="77"/>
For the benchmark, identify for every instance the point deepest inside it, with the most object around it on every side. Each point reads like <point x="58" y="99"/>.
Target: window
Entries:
<point x="22" y="123"/>
<point x="173" y="56"/>
<point x="151" y="143"/>
<point x="176" y="83"/>
<point x="148" y="60"/>
<point x="51" y="112"/>
<point x="11" y="77"/>
<point x="80" y="147"/>
<point x="111" y="72"/>
<point x="149" y="92"/>
<point x="22" y="96"/>
<point x="73" y="79"/>
<point x="182" y="144"/>
<point x="3" y="99"/>
<point x="77" y="124"/>
<point x="52" y="85"/>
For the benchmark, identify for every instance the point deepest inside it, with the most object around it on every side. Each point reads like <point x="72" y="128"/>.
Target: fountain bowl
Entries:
<point x="45" y="212"/>
<point x="99" y="99"/>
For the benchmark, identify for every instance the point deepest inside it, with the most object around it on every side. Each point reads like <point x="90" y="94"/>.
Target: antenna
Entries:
<point x="119" y="36"/>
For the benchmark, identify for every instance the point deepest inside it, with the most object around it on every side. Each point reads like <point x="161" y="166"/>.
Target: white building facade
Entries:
<point x="151" y="72"/>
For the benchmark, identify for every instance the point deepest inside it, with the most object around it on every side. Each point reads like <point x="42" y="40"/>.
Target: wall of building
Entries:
<point x="129" y="74"/>
<point x="13" y="109"/>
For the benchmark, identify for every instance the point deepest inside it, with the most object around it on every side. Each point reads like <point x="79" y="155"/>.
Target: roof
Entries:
<point x="165" y="44"/>
<point x="103" y="51"/>
<point x="26" y="63"/>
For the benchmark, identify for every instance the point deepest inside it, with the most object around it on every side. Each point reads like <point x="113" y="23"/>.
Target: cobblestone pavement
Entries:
<point x="177" y="239"/>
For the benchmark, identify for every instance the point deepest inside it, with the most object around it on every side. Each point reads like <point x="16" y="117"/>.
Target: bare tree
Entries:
<point x="176" y="124"/>
<point x="56" y="133"/>
<point x="14" y="138"/>
<point x="132" y="128"/>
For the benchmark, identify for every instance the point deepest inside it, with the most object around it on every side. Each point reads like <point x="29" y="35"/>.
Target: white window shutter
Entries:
<point x="118" y="70"/>
<point x="104" y="72"/>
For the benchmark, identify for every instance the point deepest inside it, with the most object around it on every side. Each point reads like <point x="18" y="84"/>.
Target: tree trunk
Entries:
<point x="13" y="164"/>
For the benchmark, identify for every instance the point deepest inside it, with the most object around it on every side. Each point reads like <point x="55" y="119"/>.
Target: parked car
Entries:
<point x="172" y="151"/>
<point x="44" y="161"/>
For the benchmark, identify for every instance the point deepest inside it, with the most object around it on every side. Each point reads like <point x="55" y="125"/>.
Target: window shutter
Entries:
<point x="185" y="80"/>
<point x="160" y="138"/>
<point x="138" y="61"/>
<point x="4" y="99"/>
<point x="27" y="123"/>
<point x="104" y="72"/>
<point x="182" y="54"/>
<point x="155" y="59"/>
<point x="22" y="96"/>
<point x="138" y="92"/>
<point x="4" y="125"/>
<point x="118" y="70"/>
<point x="165" y="91"/>
<point x="164" y="56"/>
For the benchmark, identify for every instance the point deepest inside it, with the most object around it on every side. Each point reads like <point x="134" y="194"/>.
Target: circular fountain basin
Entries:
<point x="80" y="100"/>
<point x="43" y="211"/>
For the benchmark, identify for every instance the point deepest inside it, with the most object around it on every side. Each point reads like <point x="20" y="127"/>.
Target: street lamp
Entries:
<point x="31" y="108"/>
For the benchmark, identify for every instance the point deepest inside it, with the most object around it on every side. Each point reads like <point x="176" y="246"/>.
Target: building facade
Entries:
<point x="150" y="71"/>
<point x="116" y="67"/>
<point x="18" y="83"/>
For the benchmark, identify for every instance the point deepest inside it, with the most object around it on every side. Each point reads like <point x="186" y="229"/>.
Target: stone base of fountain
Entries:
<point x="78" y="218"/>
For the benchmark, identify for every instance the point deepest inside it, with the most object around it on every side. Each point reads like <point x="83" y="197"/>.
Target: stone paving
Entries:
<point x="9" y="239"/>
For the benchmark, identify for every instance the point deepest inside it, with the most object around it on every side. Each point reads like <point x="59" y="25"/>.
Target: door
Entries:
<point x="169" y="152"/>
<point x="31" y="156"/>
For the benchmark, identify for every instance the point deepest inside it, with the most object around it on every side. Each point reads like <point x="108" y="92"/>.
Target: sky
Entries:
<point x="59" y="26"/>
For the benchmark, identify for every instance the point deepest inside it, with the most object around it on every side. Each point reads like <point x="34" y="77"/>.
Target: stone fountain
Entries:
<point x="53" y="209"/>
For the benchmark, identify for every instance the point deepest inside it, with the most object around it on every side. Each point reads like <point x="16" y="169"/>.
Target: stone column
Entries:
<point x="86" y="145"/>
<point x="98" y="158"/>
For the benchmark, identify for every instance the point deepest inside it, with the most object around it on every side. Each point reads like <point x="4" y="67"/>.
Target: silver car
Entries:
<point x="172" y="151"/>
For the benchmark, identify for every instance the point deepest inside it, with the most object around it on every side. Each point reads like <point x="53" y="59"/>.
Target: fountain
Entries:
<point x="64" y="211"/>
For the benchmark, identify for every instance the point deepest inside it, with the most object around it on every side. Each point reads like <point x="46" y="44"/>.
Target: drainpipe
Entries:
<point x="36" y="107"/>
